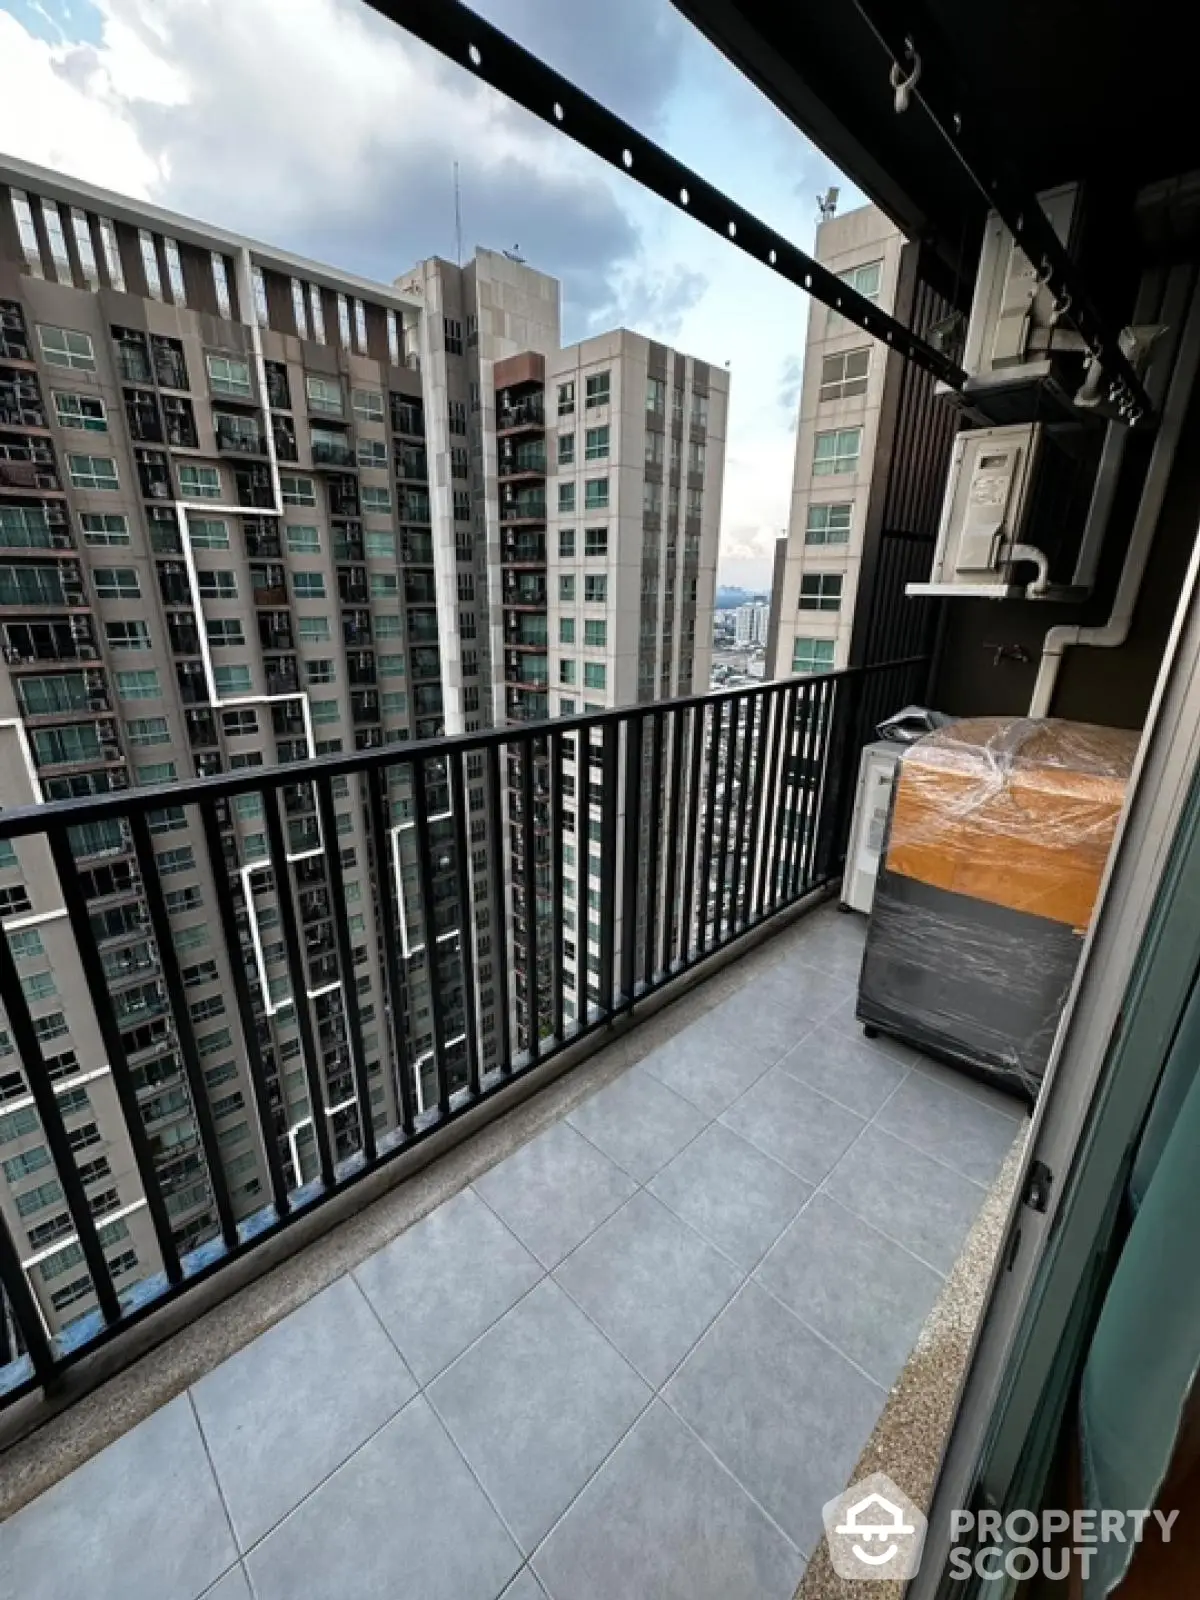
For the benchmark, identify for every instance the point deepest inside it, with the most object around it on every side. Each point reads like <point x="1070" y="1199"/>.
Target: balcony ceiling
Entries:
<point x="1067" y="89"/>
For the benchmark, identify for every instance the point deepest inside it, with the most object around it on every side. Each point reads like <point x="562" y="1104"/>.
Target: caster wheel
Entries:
<point x="843" y="907"/>
<point x="869" y="1032"/>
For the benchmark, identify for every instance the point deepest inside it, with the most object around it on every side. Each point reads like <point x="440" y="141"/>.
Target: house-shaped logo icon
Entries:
<point x="874" y="1531"/>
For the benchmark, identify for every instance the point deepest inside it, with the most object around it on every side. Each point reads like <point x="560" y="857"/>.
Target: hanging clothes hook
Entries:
<point x="904" y="84"/>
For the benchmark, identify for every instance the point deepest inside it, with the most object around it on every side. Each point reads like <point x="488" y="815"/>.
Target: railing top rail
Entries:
<point x="22" y="821"/>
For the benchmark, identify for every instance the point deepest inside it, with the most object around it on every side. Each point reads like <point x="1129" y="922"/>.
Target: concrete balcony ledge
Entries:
<point x="626" y="1339"/>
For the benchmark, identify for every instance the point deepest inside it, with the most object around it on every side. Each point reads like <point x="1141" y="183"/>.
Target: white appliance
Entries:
<point x="876" y="778"/>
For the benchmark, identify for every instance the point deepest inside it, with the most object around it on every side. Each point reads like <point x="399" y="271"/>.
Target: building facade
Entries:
<point x="812" y="608"/>
<point x="253" y="510"/>
<point x="750" y="624"/>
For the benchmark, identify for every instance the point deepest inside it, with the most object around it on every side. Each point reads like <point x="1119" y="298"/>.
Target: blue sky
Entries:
<point x="316" y="125"/>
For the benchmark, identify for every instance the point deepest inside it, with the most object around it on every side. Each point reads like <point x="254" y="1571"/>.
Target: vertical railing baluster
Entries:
<point x="716" y="734"/>
<point x="672" y="919"/>
<point x="29" y="1052"/>
<point x="378" y="796"/>
<point x="100" y="995"/>
<point x="25" y="1310"/>
<point x="631" y="847"/>
<point x="770" y="800"/>
<point x="557" y="896"/>
<point x="227" y="912"/>
<point x="281" y="879"/>
<point x="742" y="855"/>
<point x="420" y="783"/>
<point x="341" y="933"/>
<point x="533" y="1041"/>
<point x="784" y="817"/>
<point x="498" y="845"/>
<point x="690" y="929"/>
<point x="729" y="769"/>
<point x="656" y="801"/>
<point x="160" y="923"/>
<point x="466" y="919"/>
<point x="608" y="862"/>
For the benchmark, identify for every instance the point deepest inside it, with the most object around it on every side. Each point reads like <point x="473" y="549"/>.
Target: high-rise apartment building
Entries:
<point x="812" y="609"/>
<point x="750" y="624"/>
<point x="252" y="510"/>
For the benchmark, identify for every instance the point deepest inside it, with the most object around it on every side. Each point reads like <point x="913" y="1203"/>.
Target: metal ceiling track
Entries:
<point x="465" y="38"/>
<point x="923" y="71"/>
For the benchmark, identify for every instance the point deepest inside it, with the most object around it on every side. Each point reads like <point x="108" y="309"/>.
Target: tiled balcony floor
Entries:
<point x="633" y="1359"/>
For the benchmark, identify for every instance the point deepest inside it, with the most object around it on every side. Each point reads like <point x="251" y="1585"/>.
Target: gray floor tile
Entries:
<point x="535" y="1406"/>
<point x="1009" y="1105"/>
<point x="862" y="1291"/>
<point x="554" y="1191"/>
<point x="732" y="1193"/>
<point x="652" y="1285"/>
<point x="281" y="1414"/>
<point x="794" y="1124"/>
<point x="951" y="1126"/>
<point x="708" y="1062"/>
<point x="639" y="1122"/>
<point x="403" y="1516"/>
<point x="778" y="1008"/>
<point x="663" y="1521"/>
<point x="835" y="947"/>
<point x="140" y="1521"/>
<point x="438" y="1286"/>
<point x="786" y="1414"/>
<point x="909" y="1197"/>
<point x="524" y="1587"/>
<point x="843" y="1019"/>
<point x="845" y="1069"/>
<point x="235" y="1585"/>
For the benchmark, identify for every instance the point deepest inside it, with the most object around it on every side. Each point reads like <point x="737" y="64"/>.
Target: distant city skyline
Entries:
<point x="162" y="99"/>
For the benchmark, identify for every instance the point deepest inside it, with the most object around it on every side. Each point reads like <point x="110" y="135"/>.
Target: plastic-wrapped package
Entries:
<point x="999" y="832"/>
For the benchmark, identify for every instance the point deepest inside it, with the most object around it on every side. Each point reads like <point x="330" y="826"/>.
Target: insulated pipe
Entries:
<point x="1113" y="633"/>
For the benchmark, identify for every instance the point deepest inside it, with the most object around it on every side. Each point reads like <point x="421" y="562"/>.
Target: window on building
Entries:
<point x="117" y="583"/>
<point x="367" y="404"/>
<point x="220" y="274"/>
<point x="127" y="635"/>
<point x="208" y="533"/>
<point x="239" y="725"/>
<point x="812" y="655"/>
<point x="452" y="329"/>
<point x="596" y="444"/>
<point x="230" y="376"/>
<point x="343" y="316"/>
<point x="828" y="524"/>
<point x="566" y="671"/>
<point x="375" y="499"/>
<point x="175" y="272"/>
<point x="316" y="313"/>
<point x="385" y="585"/>
<point x="23" y="213"/>
<point x="324" y="396"/>
<point x="112" y="256"/>
<point x="844" y="375"/>
<point x="695" y="455"/>
<point x="566" y="630"/>
<point x="595" y="541"/>
<point x="63" y="347"/>
<point x="566" y="399"/>
<point x="308" y="585"/>
<point x="372" y="453"/>
<point x="566" y="587"/>
<point x="93" y="472"/>
<point x="104" y="527"/>
<point x="314" y="630"/>
<point x="595" y="675"/>
<point x="867" y="279"/>
<point x="224" y="631"/>
<point x="595" y="589"/>
<point x="232" y="680"/>
<point x="150" y="264"/>
<point x="820" y="591"/>
<point x="80" y="411"/>
<point x="597" y="389"/>
<point x="199" y="482"/>
<point x="656" y="396"/>
<point x="379" y="543"/>
<point x="836" y="451"/>
<point x="566" y="449"/>
<point x="148" y="730"/>
<point x="140" y="685"/>
<point x="217" y="585"/>
<point x="566" y="497"/>
<point x="654" y="447"/>
<point x="297" y="491"/>
<point x="595" y="494"/>
<point x="595" y="634"/>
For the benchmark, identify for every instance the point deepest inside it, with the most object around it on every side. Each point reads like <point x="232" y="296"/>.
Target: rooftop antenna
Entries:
<point x="827" y="203"/>
<point x="457" y="217"/>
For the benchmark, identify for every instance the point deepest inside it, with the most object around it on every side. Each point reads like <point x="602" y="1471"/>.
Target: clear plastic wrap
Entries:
<point x="999" y="833"/>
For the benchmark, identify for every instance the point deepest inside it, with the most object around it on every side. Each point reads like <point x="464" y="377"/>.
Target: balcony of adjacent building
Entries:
<point x="21" y="404"/>
<point x="520" y="410"/>
<point x="27" y="464"/>
<point x="331" y="448"/>
<point x="522" y="506"/>
<point x="519" y="459"/>
<point x="239" y="433"/>
<point x="497" y="1367"/>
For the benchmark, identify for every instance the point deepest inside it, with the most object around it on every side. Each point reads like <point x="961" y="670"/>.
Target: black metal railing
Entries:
<point x="714" y="814"/>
